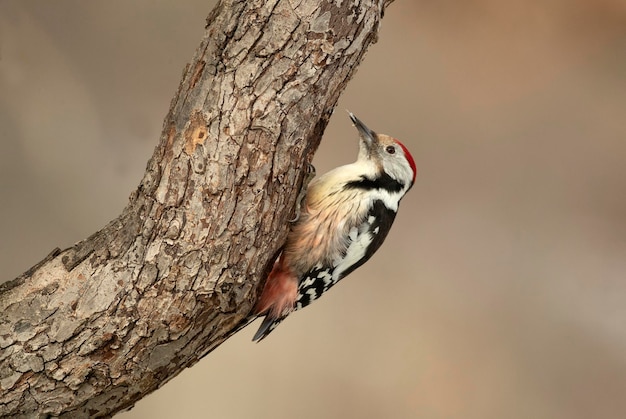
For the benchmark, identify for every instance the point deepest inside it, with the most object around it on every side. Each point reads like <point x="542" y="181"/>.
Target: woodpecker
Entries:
<point x="346" y="216"/>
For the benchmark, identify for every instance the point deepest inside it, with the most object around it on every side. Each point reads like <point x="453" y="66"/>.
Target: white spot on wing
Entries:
<point x="355" y="252"/>
<point x="309" y="280"/>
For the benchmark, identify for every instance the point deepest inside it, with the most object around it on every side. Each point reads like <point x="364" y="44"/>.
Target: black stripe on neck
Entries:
<point x="383" y="181"/>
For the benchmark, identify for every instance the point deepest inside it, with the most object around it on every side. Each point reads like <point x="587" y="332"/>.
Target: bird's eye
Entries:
<point x="390" y="149"/>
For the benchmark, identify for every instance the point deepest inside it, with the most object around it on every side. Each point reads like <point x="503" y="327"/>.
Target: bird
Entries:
<point x="344" y="219"/>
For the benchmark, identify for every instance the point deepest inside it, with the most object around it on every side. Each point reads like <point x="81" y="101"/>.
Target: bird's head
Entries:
<point x="388" y="156"/>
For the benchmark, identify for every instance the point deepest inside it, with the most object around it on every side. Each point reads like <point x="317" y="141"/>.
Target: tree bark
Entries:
<point x="93" y="328"/>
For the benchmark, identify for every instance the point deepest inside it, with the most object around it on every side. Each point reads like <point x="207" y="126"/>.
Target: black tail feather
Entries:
<point x="269" y="324"/>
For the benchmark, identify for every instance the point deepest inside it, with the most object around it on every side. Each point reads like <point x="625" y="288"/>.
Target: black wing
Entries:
<point x="366" y="239"/>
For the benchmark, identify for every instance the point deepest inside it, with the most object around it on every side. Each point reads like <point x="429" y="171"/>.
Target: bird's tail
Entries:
<point x="269" y="323"/>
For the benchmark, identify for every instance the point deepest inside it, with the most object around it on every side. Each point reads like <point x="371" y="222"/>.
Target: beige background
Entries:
<point x="501" y="291"/>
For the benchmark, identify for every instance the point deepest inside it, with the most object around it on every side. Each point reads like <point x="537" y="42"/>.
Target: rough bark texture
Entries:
<point x="93" y="328"/>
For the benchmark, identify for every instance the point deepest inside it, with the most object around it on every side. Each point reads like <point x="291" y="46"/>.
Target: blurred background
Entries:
<point x="501" y="290"/>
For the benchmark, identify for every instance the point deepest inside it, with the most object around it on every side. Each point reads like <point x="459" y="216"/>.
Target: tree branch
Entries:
<point x="93" y="328"/>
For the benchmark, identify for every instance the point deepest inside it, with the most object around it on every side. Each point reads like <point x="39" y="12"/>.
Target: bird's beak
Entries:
<point x="368" y="136"/>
